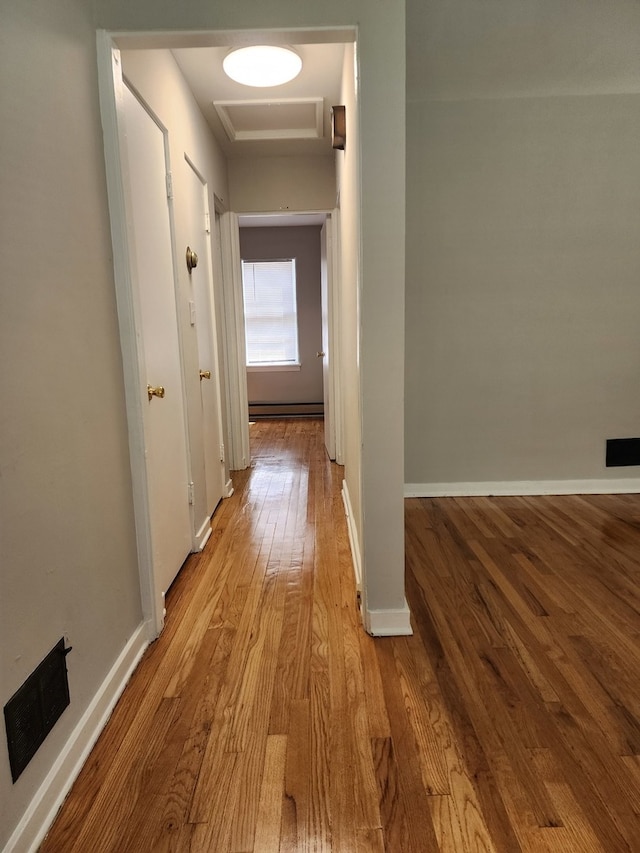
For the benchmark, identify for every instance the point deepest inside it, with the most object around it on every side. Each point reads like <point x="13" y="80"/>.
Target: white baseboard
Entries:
<point x="202" y="536"/>
<point x="378" y="623"/>
<point x="353" y="536"/>
<point x="42" y="810"/>
<point x="522" y="487"/>
<point x="228" y="488"/>
<point x="388" y="623"/>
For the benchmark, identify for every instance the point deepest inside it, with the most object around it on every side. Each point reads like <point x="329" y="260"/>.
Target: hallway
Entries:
<point x="265" y="719"/>
<point x="255" y="688"/>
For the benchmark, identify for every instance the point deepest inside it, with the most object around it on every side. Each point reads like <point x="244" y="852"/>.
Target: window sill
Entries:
<point x="272" y="368"/>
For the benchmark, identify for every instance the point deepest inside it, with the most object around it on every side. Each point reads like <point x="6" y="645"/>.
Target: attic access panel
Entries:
<point x="290" y="118"/>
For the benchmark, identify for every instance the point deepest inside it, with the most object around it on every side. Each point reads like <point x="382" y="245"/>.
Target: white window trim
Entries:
<point x="273" y="368"/>
<point x="266" y="366"/>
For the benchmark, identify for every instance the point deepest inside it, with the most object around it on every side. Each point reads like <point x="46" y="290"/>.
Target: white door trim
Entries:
<point x="111" y="98"/>
<point x="335" y="349"/>
<point x="235" y="320"/>
<point x="236" y="375"/>
<point x="211" y="327"/>
<point x="215" y="342"/>
<point x="223" y="350"/>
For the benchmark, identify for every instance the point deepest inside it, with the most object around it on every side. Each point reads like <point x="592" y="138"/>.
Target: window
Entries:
<point x="271" y="321"/>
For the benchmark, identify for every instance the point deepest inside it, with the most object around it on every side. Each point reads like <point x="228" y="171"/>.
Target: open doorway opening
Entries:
<point x="290" y="289"/>
<point x="236" y="185"/>
<point x="283" y="172"/>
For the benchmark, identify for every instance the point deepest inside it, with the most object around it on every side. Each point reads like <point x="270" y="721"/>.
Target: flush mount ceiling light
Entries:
<point x="262" y="65"/>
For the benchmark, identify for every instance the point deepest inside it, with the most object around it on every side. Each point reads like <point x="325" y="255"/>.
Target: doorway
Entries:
<point x="305" y="382"/>
<point x="111" y="92"/>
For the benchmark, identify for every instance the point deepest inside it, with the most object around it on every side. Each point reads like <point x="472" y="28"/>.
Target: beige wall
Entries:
<point x="303" y="244"/>
<point x="282" y="184"/>
<point x="68" y="564"/>
<point x="522" y="288"/>
<point x="522" y="346"/>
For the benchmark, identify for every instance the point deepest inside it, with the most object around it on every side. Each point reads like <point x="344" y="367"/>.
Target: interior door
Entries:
<point x="325" y="354"/>
<point x="203" y="319"/>
<point x="164" y="416"/>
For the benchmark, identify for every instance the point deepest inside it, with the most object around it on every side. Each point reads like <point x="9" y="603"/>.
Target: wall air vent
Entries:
<point x="622" y="451"/>
<point x="35" y="707"/>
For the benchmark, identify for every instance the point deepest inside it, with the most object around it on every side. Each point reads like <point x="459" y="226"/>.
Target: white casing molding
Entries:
<point x="239" y="454"/>
<point x="388" y="623"/>
<point x="378" y="623"/>
<point x="522" y="487"/>
<point x="228" y="488"/>
<point x="42" y="810"/>
<point x="335" y="337"/>
<point x="353" y="536"/>
<point x="202" y="536"/>
<point x="111" y="92"/>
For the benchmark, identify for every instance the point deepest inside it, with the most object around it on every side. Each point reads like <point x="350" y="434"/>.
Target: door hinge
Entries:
<point x="207" y="222"/>
<point x="190" y="492"/>
<point x="222" y="452"/>
<point x="169" y="179"/>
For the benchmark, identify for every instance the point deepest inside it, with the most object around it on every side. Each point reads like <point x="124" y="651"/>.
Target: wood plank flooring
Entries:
<point x="265" y="719"/>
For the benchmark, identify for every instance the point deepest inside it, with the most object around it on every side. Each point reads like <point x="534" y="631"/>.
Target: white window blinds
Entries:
<point x="271" y="322"/>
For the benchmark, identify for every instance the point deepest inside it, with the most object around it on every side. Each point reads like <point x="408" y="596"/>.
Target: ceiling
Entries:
<point x="242" y="117"/>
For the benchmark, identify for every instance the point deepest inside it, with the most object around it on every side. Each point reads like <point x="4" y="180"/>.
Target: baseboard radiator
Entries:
<point x="285" y="410"/>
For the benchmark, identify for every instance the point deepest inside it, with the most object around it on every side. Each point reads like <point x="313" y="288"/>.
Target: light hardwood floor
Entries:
<point x="264" y="719"/>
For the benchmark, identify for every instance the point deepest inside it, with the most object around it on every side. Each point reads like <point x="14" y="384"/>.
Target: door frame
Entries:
<point x="333" y="321"/>
<point x="239" y="400"/>
<point x="212" y="332"/>
<point x="232" y="315"/>
<point x="239" y="453"/>
<point x="111" y="94"/>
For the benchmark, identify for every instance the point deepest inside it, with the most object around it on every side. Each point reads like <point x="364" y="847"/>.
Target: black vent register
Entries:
<point x="35" y="707"/>
<point x="622" y="452"/>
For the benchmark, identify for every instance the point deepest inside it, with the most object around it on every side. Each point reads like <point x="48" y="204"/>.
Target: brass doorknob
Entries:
<point x="319" y="355"/>
<point x="155" y="392"/>
<point x="192" y="259"/>
<point x="205" y="374"/>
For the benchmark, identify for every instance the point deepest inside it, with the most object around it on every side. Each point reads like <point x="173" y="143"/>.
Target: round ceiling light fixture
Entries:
<point x="262" y="65"/>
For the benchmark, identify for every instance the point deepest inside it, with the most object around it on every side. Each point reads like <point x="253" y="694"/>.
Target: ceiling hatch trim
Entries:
<point x="287" y="118"/>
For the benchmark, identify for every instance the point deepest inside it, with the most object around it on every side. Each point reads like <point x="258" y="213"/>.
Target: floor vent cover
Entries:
<point x="35" y="707"/>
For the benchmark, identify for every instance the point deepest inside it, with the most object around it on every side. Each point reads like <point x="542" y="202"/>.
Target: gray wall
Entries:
<point x="282" y="183"/>
<point x="68" y="564"/>
<point x="523" y="258"/>
<point x="296" y="386"/>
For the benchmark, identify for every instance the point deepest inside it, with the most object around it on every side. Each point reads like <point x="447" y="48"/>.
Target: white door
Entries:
<point x="327" y="366"/>
<point x="203" y="319"/>
<point x="164" y="418"/>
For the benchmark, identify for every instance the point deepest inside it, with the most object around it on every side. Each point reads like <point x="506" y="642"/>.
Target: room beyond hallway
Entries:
<point x="264" y="719"/>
